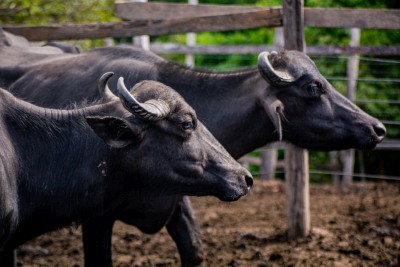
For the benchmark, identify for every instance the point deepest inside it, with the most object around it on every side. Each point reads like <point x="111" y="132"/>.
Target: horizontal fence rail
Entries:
<point x="313" y="17"/>
<point x="246" y="20"/>
<point x="161" y="11"/>
<point x="256" y="49"/>
<point x="142" y="21"/>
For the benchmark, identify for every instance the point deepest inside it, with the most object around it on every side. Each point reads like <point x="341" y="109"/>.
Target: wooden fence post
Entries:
<point x="297" y="191"/>
<point x="109" y="41"/>
<point x="352" y="75"/>
<point x="191" y="40"/>
<point x="142" y="41"/>
<point x="269" y="155"/>
<point x="296" y="159"/>
<point x="269" y="158"/>
<point x="335" y="162"/>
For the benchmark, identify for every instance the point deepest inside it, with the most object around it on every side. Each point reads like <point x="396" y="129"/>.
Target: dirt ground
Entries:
<point x="358" y="227"/>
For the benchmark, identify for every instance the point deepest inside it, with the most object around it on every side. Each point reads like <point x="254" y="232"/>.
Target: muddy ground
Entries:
<point x="358" y="227"/>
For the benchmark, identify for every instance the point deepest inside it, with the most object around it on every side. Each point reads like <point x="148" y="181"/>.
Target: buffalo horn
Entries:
<point x="151" y="110"/>
<point x="276" y="77"/>
<point x="102" y="85"/>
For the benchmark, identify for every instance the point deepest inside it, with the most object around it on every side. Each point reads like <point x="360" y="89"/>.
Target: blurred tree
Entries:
<point x="37" y="12"/>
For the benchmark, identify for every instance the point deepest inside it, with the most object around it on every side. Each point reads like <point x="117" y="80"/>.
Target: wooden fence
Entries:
<point x="166" y="18"/>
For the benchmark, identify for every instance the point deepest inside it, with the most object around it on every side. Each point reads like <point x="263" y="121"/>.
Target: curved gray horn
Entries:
<point x="276" y="77"/>
<point x="102" y="85"/>
<point x="151" y="110"/>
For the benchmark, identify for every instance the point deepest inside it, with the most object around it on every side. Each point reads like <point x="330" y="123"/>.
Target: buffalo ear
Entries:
<point x="274" y="109"/>
<point x="114" y="131"/>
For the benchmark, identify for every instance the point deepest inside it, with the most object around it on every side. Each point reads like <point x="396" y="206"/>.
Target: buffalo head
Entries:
<point x="162" y="141"/>
<point x="307" y="111"/>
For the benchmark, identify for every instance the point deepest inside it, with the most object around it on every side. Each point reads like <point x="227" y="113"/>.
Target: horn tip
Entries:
<point x="263" y="56"/>
<point x="120" y="83"/>
<point x="102" y="85"/>
<point x="121" y="87"/>
<point x="107" y="75"/>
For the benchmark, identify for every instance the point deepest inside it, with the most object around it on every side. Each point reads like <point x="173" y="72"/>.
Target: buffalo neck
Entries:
<point x="58" y="157"/>
<point x="227" y="103"/>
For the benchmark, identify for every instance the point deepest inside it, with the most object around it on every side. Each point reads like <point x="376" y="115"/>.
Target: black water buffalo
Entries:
<point x="285" y="97"/>
<point x="290" y="92"/>
<point x="63" y="166"/>
<point x="65" y="48"/>
<point x="12" y="40"/>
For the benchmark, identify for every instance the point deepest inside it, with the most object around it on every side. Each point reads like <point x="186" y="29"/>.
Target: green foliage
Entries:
<point x="257" y="36"/>
<point x="225" y="62"/>
<point x="43" y="12"/>
<point x="318" y="161"/>
<point x="347" y="3"/>
<point x="380" y="37"/>
<point x="326" y="36"/>
<point x="40" y="12"/>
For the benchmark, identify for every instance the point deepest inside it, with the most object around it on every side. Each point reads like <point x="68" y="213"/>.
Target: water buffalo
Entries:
<point x="283" y="98"/>
<point x="65" y="48"/>
<point x="63" y="166"/>
<point x="11" y="40"/>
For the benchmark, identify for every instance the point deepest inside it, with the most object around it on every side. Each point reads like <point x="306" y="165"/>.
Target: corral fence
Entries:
<point x="168" y="18"/>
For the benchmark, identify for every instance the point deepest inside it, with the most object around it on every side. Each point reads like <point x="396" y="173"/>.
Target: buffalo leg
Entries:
<point x="96" y="235"/>
<point x="184" y="229"/>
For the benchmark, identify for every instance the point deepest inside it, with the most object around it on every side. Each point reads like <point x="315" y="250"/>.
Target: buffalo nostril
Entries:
<point x="249" y="181"/>
<point x="380" y="131"/>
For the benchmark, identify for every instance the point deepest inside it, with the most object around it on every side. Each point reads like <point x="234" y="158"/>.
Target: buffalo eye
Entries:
<point x="315" y="89"/>
<point x="188" y="125"/>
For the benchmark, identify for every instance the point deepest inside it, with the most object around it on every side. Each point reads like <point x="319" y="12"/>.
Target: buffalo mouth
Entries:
<point x="333" y="146"/>
<point x="366" y="139"/>
<point x="373" y="136"/>
<point x="370" y="140"/>
<point x="225" y="188"/>
<point x="231" y="198"/>
<point x="226" y="184"/>
<point x="232" y="191"/>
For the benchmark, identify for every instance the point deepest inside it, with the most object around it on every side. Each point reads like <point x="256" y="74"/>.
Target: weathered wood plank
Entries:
<point x="268" y="160"/>
<point x="293" y="25"/>
<point x="353" y="63"/>
<point x="246" y="20"/>
<point x="389" y="144"/>
<point x="297" y="191"/>
<point x="389" y="19"/>
<point x="257" y="161"/>
<point x="168" y="48"/>
<point x="352" y="18"/>
<point x="210" y="49"/>
<point x="313" y="17"/>
<point x="155" y="10"/>
<point x="296" y="159"/>
<point x="349" y="50"/>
